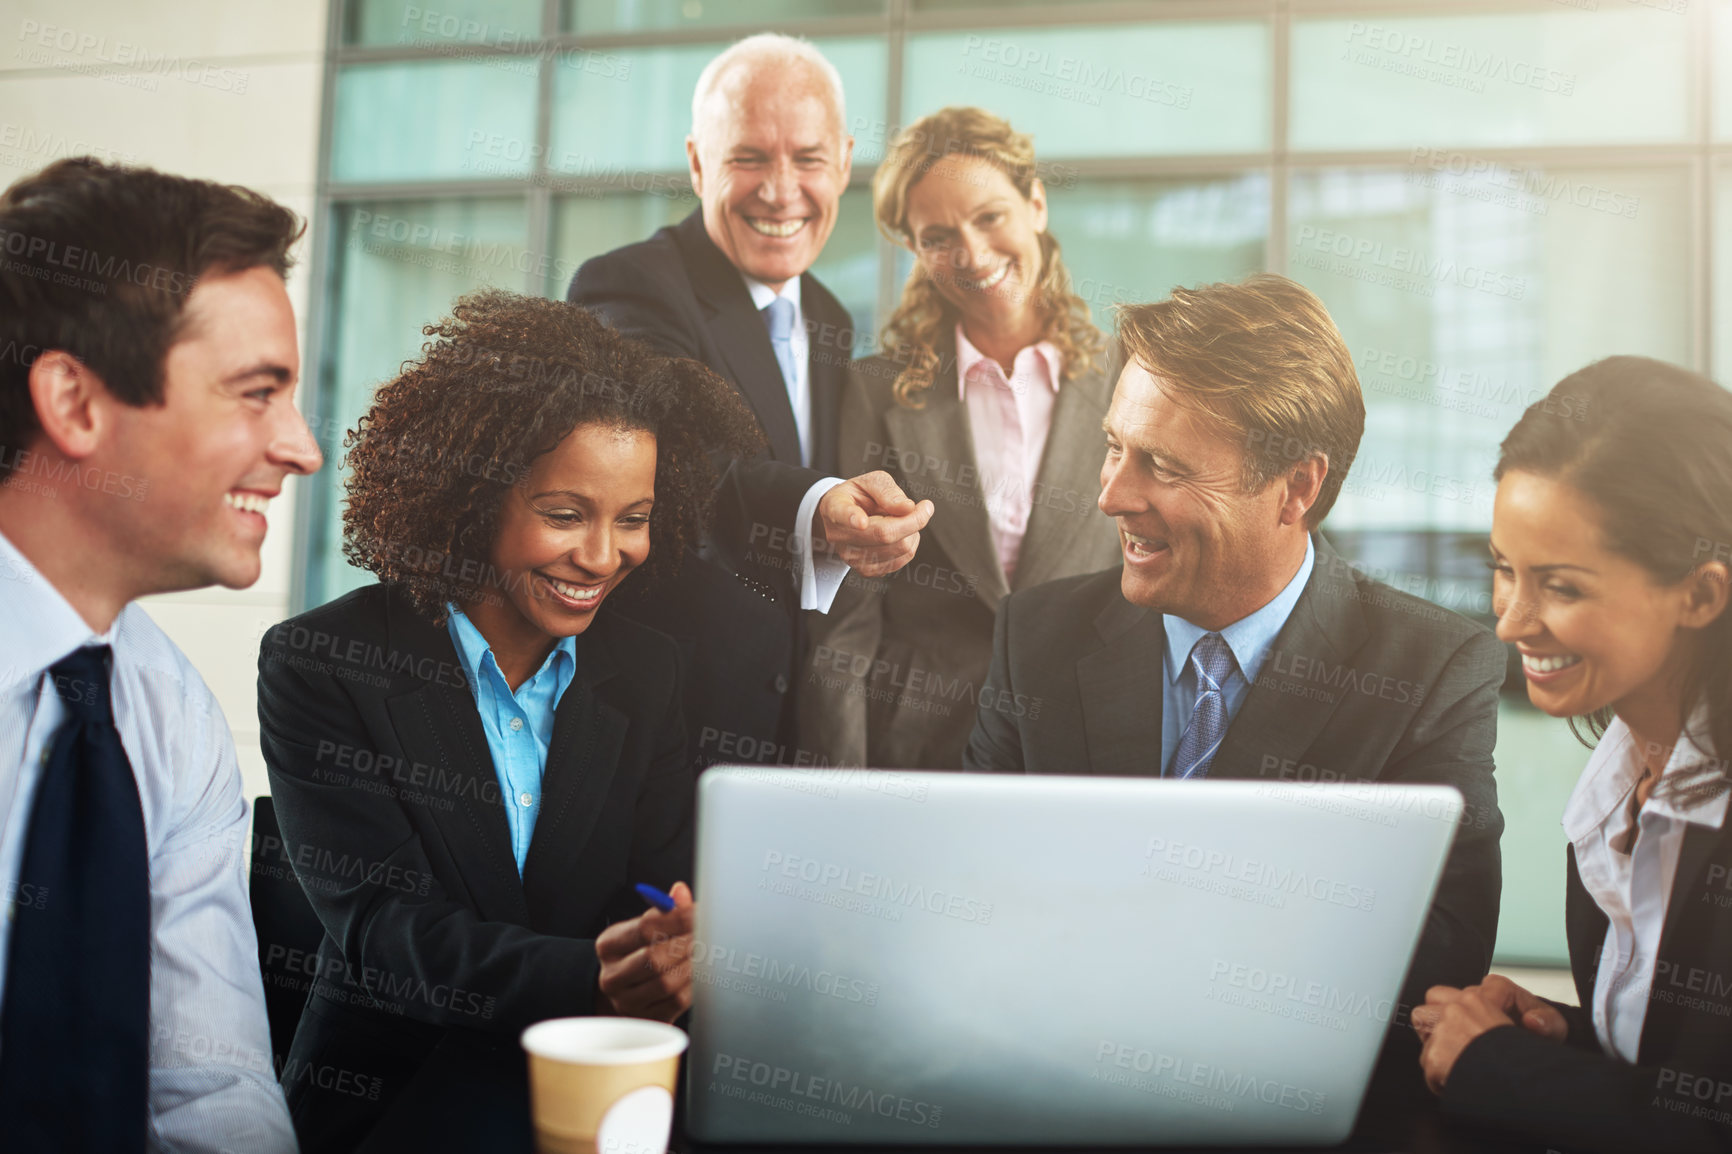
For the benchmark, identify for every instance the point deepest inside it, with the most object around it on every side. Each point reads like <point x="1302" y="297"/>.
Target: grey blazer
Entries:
<point x="893" y="673"/>
<point x="1363" y="683"/>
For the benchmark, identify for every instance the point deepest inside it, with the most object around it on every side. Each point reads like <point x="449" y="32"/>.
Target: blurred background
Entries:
<point x="1487" y="195"/>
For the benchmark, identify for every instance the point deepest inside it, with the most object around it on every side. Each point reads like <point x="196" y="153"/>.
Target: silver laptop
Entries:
<point x="937" y="958"/>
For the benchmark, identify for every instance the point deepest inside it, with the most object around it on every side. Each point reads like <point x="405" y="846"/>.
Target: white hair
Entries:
<point x="767" y="47"/>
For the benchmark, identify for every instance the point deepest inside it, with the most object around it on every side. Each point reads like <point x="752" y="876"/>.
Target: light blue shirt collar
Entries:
<point x="763" y="294"/>
<point x="476" y="656"/>
<point x="1250" y="638"/>
<point x="518" y="725"/>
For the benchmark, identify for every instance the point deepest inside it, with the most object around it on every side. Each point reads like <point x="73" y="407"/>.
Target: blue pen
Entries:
<point x="655" y="897"/>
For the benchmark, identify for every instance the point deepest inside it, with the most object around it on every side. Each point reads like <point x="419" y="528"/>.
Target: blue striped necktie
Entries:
<point x="1213" y="663"/>
<point x="75" y="1018"/>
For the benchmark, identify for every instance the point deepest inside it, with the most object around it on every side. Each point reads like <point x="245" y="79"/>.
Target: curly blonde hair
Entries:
<point x="923" y="316"/>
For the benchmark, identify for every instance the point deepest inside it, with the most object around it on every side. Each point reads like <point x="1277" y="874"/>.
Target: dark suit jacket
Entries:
<point x="1679" y="1095"/>
<point x="1363" y="683"/>
<point x="734" y="608"/>
<point x="935" y="615"/>
<point x="391" y="812"/>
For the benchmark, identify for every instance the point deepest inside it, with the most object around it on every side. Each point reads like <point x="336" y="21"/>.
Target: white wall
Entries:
<point x="220" y="89"/>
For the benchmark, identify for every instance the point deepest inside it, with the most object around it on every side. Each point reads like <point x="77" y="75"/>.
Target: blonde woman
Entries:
<point x="988" y="400"/>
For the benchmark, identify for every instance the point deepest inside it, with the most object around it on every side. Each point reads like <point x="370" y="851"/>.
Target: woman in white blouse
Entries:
<point x="1611" y="536"/>
<point x="989" y="401"/>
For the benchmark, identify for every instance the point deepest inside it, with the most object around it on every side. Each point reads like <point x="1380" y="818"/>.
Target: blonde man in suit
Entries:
<point x="988" y="400"/>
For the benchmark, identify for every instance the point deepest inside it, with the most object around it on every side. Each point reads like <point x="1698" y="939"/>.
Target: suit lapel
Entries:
<point x="440" y="731"/>
<point x="1120" y="684"/>
<point x="940" y="433"/>
<point x="740" y="336"/>
<point x="1064" y="512"/>
<point x="1325" y="624"/>
<point x="582" y="758"/>
<point x="1666" y="1018"/>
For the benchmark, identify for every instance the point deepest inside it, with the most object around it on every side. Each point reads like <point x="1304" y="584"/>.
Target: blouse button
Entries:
<point x="526" y="799"/>
<point x="516" y="724"/>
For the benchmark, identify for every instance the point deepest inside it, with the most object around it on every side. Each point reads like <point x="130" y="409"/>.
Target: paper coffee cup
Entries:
<point x="602" y="1085"/>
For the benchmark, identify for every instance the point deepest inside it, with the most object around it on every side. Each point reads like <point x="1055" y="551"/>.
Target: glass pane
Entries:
<point x="1721" y="69"/>
<point x="632" y="15"/>
<point x="397" y="266"/>
<point x="1567" y="77"/>
<point x="1721" y="327"/>
<point x="630" y="110"/>
<point x="586" y="226"/>
<point x="589" y="226"/>
<point x="434" y="120"/>
<point x="1131" y="241"/>
<point x="449" y="27"/>
<point x="1111" y="90"/>
<point x="985" y="9"/>
<point x="1465" y="298"/>
<point x="1538" y="762"/>
<point x="848" y="265"/>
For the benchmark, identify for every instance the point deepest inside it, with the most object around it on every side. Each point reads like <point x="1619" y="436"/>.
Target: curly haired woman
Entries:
<point x="473" y="759"/>
<point x="989" y="400"/>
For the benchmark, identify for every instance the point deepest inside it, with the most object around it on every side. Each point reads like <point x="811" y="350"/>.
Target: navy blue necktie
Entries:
<point x="1213" y="661"/>
<point x="75" y="1019"/>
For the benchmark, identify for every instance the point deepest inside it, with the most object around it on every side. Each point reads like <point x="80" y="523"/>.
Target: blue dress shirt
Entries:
<point x="212" y="1083"/>
<point x="519" y="726"/>
<point x="1250" y="639"/>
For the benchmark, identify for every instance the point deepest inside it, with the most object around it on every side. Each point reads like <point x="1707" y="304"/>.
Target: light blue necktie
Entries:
<point x="1213" y="662"/>
<point x="779" y="318"/>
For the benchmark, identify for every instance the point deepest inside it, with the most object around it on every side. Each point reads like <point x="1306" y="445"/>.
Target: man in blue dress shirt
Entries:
<point x="148" y="360"/>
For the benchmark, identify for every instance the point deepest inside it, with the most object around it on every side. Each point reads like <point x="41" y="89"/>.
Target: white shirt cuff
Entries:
<point x="820" y="578"/>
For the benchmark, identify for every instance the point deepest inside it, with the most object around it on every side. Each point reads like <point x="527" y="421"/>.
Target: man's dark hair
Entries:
<point x="98" y="260"/>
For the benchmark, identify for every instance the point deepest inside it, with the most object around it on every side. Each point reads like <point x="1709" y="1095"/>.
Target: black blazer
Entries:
<point x="1363" y="683"/>
<point x="391" y="813"/>
<point x="1678" y="1097"/>
<point x="734" y="608"/>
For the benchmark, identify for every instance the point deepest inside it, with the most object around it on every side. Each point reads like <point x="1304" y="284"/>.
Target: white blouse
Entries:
<point x="1632" y="883"/>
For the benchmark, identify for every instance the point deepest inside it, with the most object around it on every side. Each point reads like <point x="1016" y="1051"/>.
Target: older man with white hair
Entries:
<point x="769" y="155"/>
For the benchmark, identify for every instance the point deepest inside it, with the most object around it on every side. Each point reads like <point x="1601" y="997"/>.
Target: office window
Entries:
<point x="598" y="16"/>
<point x="446" y="27"/>
<point x="1133" y="240"/>
<point x="631" y="109"/>
<point x="1125" y="90"/>
<point x="1722" y="367"/>
<point x="1614" y="75"/>
<point x="398" y="265"/>
<point x="1486" y="200"/>
<point x="1465" y="300"/>
<point x="434" y="120"/>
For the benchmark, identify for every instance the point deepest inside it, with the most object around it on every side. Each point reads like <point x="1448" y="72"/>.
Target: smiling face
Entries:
<point x="770" y="161"/>
<point x="1195" y="544"/>
<point x="569" y="533"/>
<point x="206" y="462"/>
<point x="1594" y="628"/>
<point x="978" y="239"/>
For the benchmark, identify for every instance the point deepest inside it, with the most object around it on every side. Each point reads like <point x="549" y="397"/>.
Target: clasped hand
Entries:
<point x="1452" y="1018"/>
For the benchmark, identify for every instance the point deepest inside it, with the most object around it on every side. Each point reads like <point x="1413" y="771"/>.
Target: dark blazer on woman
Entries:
<point x="391" y="812"/>
<point x="893" y="675"/>
<point x="1678" y="1097"/>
